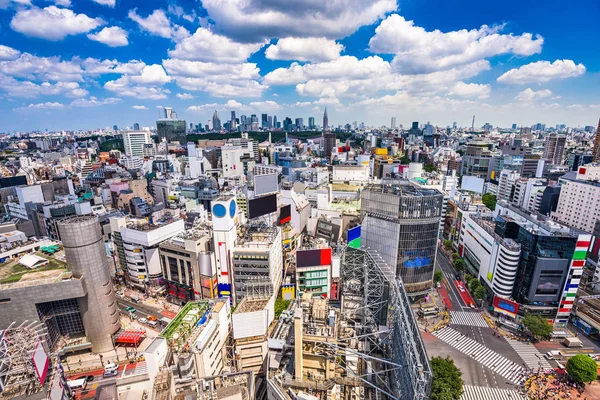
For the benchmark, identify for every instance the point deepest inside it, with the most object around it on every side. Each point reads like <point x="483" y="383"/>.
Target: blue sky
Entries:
<point x="88" y="64"/>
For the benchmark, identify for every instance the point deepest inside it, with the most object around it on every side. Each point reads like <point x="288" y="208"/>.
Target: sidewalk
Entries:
<point x="432" y="323"/>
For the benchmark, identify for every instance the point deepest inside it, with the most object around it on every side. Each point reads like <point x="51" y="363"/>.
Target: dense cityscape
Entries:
<point x="264" y="200"/>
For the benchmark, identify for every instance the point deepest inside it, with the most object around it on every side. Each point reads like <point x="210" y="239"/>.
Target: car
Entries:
<point x="438" y="285"/>
<point x="472" y="305"/>
<point x="130" y="309"/>
<point x="153" y="324"/>
<point x="152" y="318"/>
<point x="461" y="288"/>
<point x="135" y="300"/>
<point x="89" y="378"/>
<point x="108" y="374"/>
<point x="121" y="294"/>
<point x="143" y="320"/>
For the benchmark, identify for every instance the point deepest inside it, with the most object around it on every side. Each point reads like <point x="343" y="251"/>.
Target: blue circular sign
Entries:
<point x="232" y="208"/>
<point x="219" y="210"/>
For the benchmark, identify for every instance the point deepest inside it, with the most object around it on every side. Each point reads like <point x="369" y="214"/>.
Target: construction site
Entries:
<point x="368" y="347"/>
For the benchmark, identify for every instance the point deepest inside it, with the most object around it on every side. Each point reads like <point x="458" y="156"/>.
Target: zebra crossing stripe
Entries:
<point x="467" y="318"/>
<point x="486" y="357"/>
<point x="488" y="393"/>
<point x="529" y="354"/>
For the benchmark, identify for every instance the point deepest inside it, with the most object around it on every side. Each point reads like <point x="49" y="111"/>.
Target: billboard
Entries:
<point x="285" y="214"/>
<point x="264" y="184"/>
<point x="40" y="362"/>
<point x="260" y="206"/>
<point x="472" y="184"/>
<point x="354" y="237"/>
<point x="313" y="258"/>
<point x="502" y="304"/>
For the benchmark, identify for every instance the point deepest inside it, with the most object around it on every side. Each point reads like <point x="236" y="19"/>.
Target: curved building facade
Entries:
<point x="505" y="271"/>
<point x="401" y="222"/>
<point x="86" y="257"/>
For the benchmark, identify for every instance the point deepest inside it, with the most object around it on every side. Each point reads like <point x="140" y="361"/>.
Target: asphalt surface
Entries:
<point x="142" y="310"/>
<point x="456" y="299"/>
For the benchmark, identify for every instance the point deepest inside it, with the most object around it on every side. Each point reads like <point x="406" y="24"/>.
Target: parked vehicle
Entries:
<point x="153" y="324"/>
<point x="76" y="384"/>
<point x="130" y="309"/>
<point x="553" y="354"/>
<point x="572" y="342"/>
<point x="152" y="318"/>
<point x="143" y="320"/>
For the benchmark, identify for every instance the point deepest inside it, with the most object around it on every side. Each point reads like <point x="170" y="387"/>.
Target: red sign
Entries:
<point x="582" y="170"/>
<point x="506" y="305"/>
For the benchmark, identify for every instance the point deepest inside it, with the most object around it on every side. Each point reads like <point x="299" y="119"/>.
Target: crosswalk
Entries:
<point x="486" y="357"/>
<point x="530" y="355"/>
<point x="488" y="393"/>
<point x="467" y="318"/>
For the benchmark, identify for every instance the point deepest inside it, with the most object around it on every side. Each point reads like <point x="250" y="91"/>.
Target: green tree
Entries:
<point x="468" y="278"/>
<point x="447" y="379"/>
<point x="479" y="293"/>
<point x="448" y="244"/>
<point x="438" y="276"/>
<point x="582" y="368"/>
<point x="429" y="168"/>
<point x="489" y="200"/>
<point x="459" y="265"/>
<point x="537" y="325"/>
<point x="455" y="256"/>
<point x="404" y="160"/>
<point x="474" y="284"/>
<point x="280" y="306"/>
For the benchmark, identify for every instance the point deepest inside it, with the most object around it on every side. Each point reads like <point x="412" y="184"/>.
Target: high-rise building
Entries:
<point x="596" y="152"/>
<point x="134" y="141"/>
<point x="325" y="120"/>
<point x="393" y="123"/>
<point x="299" y="123"/>
<point x="311" y="122"/>
<point x="514" y="127"/>
<point x="328" y="144"/>
<point x="171" y="128"/>
<point x="555" y="147"/>
<point x="233" y="123"/>
<point x="275" y="125"/>
<point x="579" y="201"/>
<point x="216" y="122"/>
<point x="136" y="126"/>
<point x="263" y="121"/>
<point x="86" y="257"/>
<point x="401" y="222"/>
<point x="269" y="122"/>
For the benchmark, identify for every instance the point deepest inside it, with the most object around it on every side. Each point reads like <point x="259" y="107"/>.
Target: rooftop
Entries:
<point x="248" y="305"/>
<point x="12" y="272"/>
<point x="402" y="187"/>
<point x="143" y="225"/>
<point x="187" y="325"/>
<point x="256" y="234"/>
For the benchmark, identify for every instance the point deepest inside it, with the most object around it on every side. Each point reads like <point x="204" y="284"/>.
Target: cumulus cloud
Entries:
<point x="230" y="104"/>
<point x="63" y="3"/>
<point x="304" y="49"/>
<point x="530" y="94"/>
<point x="256" y="20"/>
<point x="184" y="96"/>
<point x="94" y="102"/>
<point x="8" y="53"/>
<point x="123" y="87"/>
<point x="109" y="3"/>
<point x="139" y="107"/>
<point x="42" y="68"/>
<point x="159" y="24"/>
<point x="52" y="23"/>
<point x="152" y="75"/>
<point x="28" y="89"/>
<point x="462" y="89"/>
<point x="113" y="36"/>
<point x="207" y="46"/>
<point x="43" y="106"/>
<point x="268" y="105"/>
<point x="93" y="66"/>
<point x="542" y="71"/>
<point x="419" y="51"/>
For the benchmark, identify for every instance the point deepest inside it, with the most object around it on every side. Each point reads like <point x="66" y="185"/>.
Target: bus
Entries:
<point x="77" y="384"/>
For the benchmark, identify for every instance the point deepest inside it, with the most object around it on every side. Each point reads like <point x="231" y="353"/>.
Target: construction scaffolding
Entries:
<point x="392" y="351"/>
<point x="21" y="360"/>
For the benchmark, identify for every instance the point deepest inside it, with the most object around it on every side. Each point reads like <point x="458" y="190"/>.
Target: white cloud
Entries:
<point x="113" y="36"/>
<point x="159" y="24"/>
<point x="43" y="106"/>
<point x="152" y="75"/>
<point x="94" y="102"/>
<point x="255" y="20"/>
<point x="109" y="3"/>
<point x="268" y="105"/>
<point x="542" y="71"/>
<point x="30" y="89"/>
<point x="63" y="3"/>
<point x="304" y="49"/>
<point x="207" y="46"/>
<point x="530" y="94"/>
<point x="139" y="107"/>
<point x="462" y="89"/>
<point x="123" y="87"/>
<point x="52" y="23"/>
<point x="42" y="68"/>
<point x="240" y="88"/>
<point x="419" y="51"/>
<point x="8" y="53"/>
<point x="215" y="106"/>
<point x="184" y="96"/>
<point x="93" y="66"/>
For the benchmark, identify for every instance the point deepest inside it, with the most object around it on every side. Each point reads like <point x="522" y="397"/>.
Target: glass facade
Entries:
<point x="61" y="317"/>
<point x="171" y="129"/>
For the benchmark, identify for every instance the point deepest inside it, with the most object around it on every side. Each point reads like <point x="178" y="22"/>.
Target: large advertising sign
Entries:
<point x="40" y="362"/>
<point x="313" y="258"/>
<point x="502" y="304"/>
<point x="260" y="206"/>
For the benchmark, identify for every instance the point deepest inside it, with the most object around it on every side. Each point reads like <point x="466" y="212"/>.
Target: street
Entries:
<point x="99" y="380"/>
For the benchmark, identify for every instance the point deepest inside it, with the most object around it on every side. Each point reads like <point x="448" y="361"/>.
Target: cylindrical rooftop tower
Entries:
<point x="86" y="257"/>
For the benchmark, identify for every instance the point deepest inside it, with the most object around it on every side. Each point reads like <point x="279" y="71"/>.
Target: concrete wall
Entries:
<point x="85" y="255"/>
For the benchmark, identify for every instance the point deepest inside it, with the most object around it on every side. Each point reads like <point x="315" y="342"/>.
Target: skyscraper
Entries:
<point x="325" y="120"/>
<point x="264" y="119"/>
<point x="86" y="257"/>
<point x="171" y="128"/>
<point x="596" y="153"/>
<point x="233" y="125"/>
<point x="393" y="123"/>
<point x="275" y="121"/>
<point x="136" y="126"/>
<point x="555" y="147"/>
<point x="328" y="144"/>
<point x="311" y="122"/>
<point x="216" y="122"/>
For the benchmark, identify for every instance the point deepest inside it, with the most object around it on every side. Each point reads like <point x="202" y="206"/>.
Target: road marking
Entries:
<point x="480" y="353"/>
<point x="488" y="393"/>
<point x="529" y="354"/>
<point x="467" y="318"/>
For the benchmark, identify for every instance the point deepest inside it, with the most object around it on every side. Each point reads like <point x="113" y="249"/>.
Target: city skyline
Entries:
<point x="85" y="65"/>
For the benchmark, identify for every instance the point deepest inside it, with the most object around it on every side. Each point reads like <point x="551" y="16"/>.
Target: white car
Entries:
<point x="143" y="320"/>
<point x="461" y="289"/>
